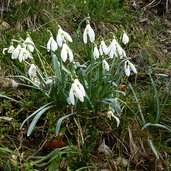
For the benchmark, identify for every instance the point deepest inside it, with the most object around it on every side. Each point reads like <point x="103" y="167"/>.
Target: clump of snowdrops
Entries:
<point x="92" y="84"/>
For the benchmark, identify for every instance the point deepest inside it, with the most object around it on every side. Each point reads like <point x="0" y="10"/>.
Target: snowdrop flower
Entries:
<point x="29" y="44"/>
<point x="125" y="38"/>
<point x="24" y="54"/>
<point x="32" y="70"/>
<point x="9" y="50"/>
<point x="76" y="90"/>
<point x="128" y="67"/>
<point x="105" y="65"/>
<point x="96" y="52"/>
<point x="120" y="51"/>
<point x="110" y="114"/>
<point x="61" y="36"/>
<point x="103" y="48"/>
<point x="52" y="45"/>
<point x="66" y="51"/>
<point x="90" y="33"/>
<point x="16" y="52"/>
<point x="116" y="50"/>
<point x="112" y="49"/>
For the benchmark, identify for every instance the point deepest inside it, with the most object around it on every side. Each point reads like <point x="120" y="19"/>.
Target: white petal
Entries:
<point x="111" y="54"/>
<point x="104" y="47"/>
<point x="80" y="86"/>
<point x="100" y="50"/>
<point x="91" y="33"/>
<point x="67" y="36"/>
<point x="117" y="120"/>
<point x="85" y="36"/>
<point x="54" y="45"/>
<point x="32" y="71"/>
<point x="71" y="56"/>
<point x="96" y="52"/>
<point x="64" y="52"/>
<point x="125" y="38"/>
<point x="78" y="93"/>
<point x="59" y="38"/>
<point x="127" y="69"/>
<point x="49" y="45"/>
<point x="71" y="96"/>
<point x="105" y="65"/>
<point x="133" y="67"/>
<point x="16" y="52"/>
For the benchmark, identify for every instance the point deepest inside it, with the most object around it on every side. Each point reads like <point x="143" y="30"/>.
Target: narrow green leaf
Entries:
<point x="58" y="124"/>
<point x="153" y="148"/>
<point x="114" y="104"/>
<point x="34" y="114"/>
<point x="57" y="69"/>
<point x="36" y="118"/>
<point x="156" y="125"/>
<point x="9" y="98"/>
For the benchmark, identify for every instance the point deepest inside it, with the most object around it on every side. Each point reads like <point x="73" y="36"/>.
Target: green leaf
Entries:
<point x="153" y="148"/>
<point x="56" y="65"/>
<point x="113" y="102"/>
<point x="36" y="118"/>
<point x="156" y="125"/>
<point x="9" y="98"/>
<point x="34" y="114"/>
<point x="58" y="124"/>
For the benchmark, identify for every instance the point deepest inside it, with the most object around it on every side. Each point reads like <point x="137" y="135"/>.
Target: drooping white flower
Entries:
<point x="9" y="50"/>
<point x="105" y="65"/>
<point x="96" y="52"/>
<point x="103" y="48"/>
<point x="29" y="44"/>
<point x="110" y="114"/>
<point x="61" y="36"/>
<point x="16" y="52"/>
<point x="65" y="52"/>
<point x="128" y="67"/>
<point x="90" y="33"/>
<point x="116" y="50"/>
<point x="125" y="38"/>
<point x="32" y="70"/>
<point x="120" y="52"/>
<point x="52" y="45"/>
<point x="24" y="54"/>
<point x="112" y="49"/>
<point x="76" y="90"/>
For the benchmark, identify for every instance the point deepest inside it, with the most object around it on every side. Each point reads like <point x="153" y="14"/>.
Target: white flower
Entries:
<point x="16" y="52"/>
<point x="76" y="90"/>
<point x="29" y="44"/>
<point x="52" y="45"/>
<point x="116" y="50"/>
<point x="128" y="67"/>
<point x="112" y="49"/>
<point x="32" y="70"/>
<point x="110" y="114"/>
<point x="125" y="38"/>
<point x="105" y="65"/>
<point x="10" y="49"/>
<point x="61" y="36"/>
<point x="96" y="52"/>
<point x="103" y="48"/>
<point x="24" y="54"/>
<point x="88" y="32"/>
<point x="66" y="51"/>
<point x="120" y="51"/>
